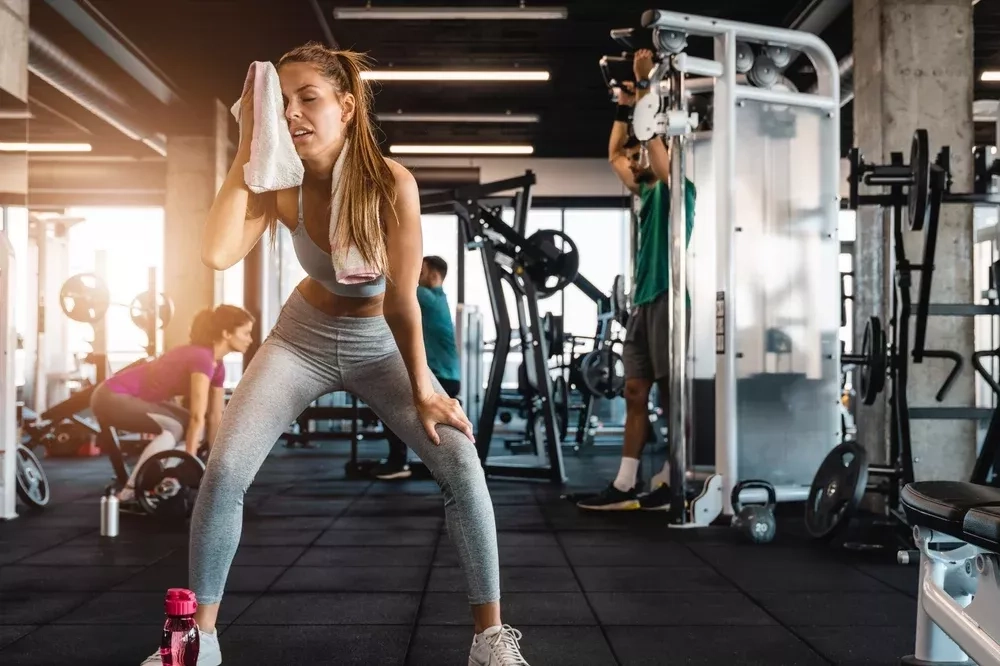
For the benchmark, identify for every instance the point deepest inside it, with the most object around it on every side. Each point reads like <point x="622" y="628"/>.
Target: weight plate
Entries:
<point x="575" y="372"/>
<point x="32" y="484"/>
<point x="764" y="73"/>
<point x="560" y="402"/>
<point x="84" y="297"/>
<point x="918" y="203"/>
<point x="779" y="55"/>
<point x="551" y="265"/>
<point x="145" y="314"/>
<point x="524" y="387"/>
<point x="552" y="325"/>
<point x="836" y="491"/>
<point x="166" y="485"/>
<point x="872" y="375"/>
<point x="603" y="373"/>
<point x="619" y="302"/>
<point x="744" y="57"/>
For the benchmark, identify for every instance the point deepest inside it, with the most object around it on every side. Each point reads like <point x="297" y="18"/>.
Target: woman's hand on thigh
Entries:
<point x="441" y="409"/>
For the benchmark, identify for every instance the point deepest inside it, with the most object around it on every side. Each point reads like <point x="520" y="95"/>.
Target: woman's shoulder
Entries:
<point x="400" y="173"/>
<point x="190" y="353"/>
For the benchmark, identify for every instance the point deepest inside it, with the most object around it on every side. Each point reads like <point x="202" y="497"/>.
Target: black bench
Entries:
<point x="966" y="511"/>
<point x="957" y="529"/>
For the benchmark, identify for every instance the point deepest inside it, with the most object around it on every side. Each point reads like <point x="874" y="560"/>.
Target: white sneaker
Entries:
<point x="209" y="652"/>
<point x="497" y="646"/>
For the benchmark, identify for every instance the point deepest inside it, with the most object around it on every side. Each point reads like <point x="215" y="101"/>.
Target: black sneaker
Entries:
<point x="611" y="499"/>
<point x="656" y="500"/>
<point x="390" y="470"/>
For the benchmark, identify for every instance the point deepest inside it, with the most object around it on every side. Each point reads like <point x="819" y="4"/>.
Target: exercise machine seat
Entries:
<point x="982" y="527"/>
<point x="943" y="505"/>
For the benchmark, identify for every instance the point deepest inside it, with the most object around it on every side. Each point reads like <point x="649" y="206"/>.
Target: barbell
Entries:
<point x="85" y="298"/>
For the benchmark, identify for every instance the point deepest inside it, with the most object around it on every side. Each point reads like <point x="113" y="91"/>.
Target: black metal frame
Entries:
<point x="898" y="177"/>
<point x="899" y="470"/>
<point x="478" y="209"/>
<point x="502" y="248"/>
<point x="986" y="470"/>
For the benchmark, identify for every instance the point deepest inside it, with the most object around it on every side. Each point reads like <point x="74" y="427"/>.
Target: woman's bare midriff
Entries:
<point x="315" y="293"/>
<point x="339" y="306"/>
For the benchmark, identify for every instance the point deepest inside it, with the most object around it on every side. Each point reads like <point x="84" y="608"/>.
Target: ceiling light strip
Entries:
<point x="415" y="149"/>
<point x="454" y="75"/>
<point x="458" y="118"/>
<point x="450" y="13"/>
<point x="45" y="147"/>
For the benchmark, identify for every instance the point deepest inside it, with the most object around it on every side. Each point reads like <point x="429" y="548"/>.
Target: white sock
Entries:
<point x="165" y="441"/>
<point x="661" y="478"/>
<point x="625" y="481"/>
<point x="489" y="631"/>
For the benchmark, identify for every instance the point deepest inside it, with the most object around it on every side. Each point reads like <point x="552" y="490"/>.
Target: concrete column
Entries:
<point x="13" y="100"/>
<point x="196" y="167"/>
<point x="13" y="192"/>
<point x="914" y="69"/>
<point x="14" y="48"/>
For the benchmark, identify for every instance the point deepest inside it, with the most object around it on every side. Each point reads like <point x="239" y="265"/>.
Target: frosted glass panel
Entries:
<point x="701" y="259"/>
<point x="787" y="287"/>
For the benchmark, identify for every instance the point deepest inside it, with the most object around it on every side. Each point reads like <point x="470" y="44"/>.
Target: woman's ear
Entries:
<point x="349" y="106"/>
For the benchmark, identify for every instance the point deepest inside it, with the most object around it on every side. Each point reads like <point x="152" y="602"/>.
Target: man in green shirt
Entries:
<point x="647" y="335"/>
<point x="439" y="345"/>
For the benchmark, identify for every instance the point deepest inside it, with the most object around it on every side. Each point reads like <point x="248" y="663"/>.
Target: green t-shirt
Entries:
<point x="439" y="333"/>
<point x="652" y="261"/>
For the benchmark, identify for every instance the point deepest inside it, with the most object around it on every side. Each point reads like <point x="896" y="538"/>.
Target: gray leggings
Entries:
<point x="309" y="354"/>
<point x="126" y="412"/>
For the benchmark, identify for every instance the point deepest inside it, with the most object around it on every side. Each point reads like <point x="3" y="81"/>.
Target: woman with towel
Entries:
<point x="353" y="324"/>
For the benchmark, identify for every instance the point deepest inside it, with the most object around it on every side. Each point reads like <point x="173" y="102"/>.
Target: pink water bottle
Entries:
<point x="180" y="643"/>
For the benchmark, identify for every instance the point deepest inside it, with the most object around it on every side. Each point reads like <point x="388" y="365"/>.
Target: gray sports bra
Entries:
<point x="318" y="265"/>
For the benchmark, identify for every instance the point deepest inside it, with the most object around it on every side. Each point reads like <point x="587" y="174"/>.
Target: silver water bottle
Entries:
<point x="109" y="515"/>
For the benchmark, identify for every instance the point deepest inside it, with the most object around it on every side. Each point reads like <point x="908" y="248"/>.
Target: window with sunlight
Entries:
<point x="120" y="244"/>
<point x="601" y="237"/>
<point x="440" y="234"/>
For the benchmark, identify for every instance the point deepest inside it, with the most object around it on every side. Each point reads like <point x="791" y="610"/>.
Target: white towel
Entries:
<point x="273" y="164"/>
<point x="348" y="264"/>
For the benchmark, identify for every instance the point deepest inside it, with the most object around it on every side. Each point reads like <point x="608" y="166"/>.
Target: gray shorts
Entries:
<point x="647" y="340"/>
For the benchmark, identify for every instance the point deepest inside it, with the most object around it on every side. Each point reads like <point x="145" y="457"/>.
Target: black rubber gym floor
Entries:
<point x="358" y="573"/>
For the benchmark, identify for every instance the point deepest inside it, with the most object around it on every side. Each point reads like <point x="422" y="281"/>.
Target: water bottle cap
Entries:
<point x="181" y="602"/>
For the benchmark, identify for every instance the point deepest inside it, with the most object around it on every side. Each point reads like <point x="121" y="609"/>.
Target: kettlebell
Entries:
<point x="755" y="522"/>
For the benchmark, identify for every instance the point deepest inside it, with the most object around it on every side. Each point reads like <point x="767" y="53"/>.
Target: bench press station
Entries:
<point x="956" y="527"/>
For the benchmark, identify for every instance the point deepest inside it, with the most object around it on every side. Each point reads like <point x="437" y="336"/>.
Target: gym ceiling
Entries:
<point x="150" y="68"/>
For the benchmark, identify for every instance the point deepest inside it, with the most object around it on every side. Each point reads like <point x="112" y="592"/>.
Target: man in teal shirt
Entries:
<point x="439" y="345"/>
<point x="647" y="335"/>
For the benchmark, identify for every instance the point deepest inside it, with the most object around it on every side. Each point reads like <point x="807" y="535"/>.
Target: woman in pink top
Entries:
<point x="141" y="399"/>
